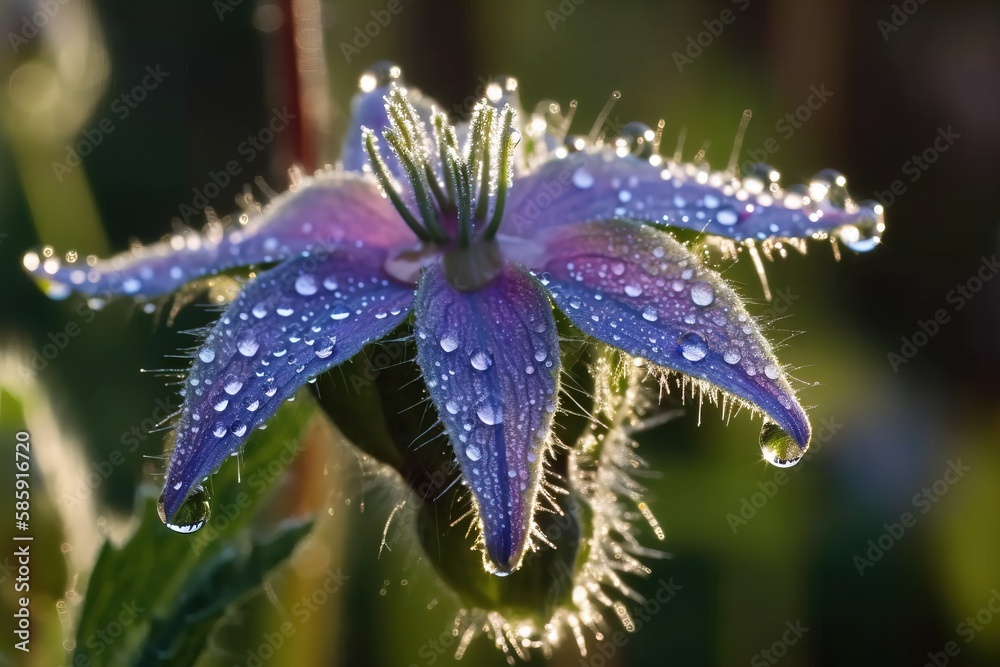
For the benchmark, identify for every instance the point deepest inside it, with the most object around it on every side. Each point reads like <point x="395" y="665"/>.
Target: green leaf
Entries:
<point x="179" y="637"/>
<point x="141" y="579"/>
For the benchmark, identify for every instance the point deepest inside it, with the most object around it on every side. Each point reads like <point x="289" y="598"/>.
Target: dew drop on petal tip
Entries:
<point x="778" y="447"/>
<point x="194" y="512"/>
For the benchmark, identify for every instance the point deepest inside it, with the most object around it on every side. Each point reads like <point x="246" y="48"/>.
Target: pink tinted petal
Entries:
<point x="636" y="288"/>
<point x="328" y="210"/>
<point x="601" y="185"/>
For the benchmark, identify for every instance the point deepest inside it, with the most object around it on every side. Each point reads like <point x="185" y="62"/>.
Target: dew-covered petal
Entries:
<point x="325" y="211"/>
<point x="288" y="325"/>
<point x="600" y="184"/>
<point x="490" y="359"/>
<point x="636" y="288"/>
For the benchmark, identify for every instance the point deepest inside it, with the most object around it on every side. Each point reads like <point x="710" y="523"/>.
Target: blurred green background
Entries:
<point x="901" y="75"/>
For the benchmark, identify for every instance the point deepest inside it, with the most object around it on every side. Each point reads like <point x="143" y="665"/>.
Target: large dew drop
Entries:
<point x="779" y="448"/>
<point x="192" y="515"/>
<point x="692" y="347"/>
<point x="866" y="233"/>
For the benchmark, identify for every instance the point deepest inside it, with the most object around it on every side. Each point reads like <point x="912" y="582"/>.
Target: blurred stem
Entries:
<point x="70" y="218"/>
<point x="298" y="67"/>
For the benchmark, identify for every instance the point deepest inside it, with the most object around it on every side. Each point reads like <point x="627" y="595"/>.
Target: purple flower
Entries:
<point x="478" y="229"/>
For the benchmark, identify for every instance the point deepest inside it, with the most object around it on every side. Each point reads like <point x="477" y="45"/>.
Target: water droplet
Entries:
<point x="306" y="285"/>
<point x="259" y="311"/>
<point x="449" y="343"/>
<point x="831" y="186"/>
<point x="238" y="428"/>
<point x="340" y="312"/>
<point x="541" y="355"/>
<point x="583" y="179"/>
<point x="866" y="233"/>
<point x="732" y="357"/>
<point x="727" y="216"/>
<point x="251" y="404"/>
<point x="771" y="371"/>
<point x="650" y="314"/>
<point x="692" y="347"/>
<point x="473" y="452"/>
<point x="758" y="177"/>
<point x="633" y="290"/>
<point x="284" y="311"/>
<point x="617" y="268"/>
<point x="192" y="514"/>
<point x="247" y="347"/>
<point x="637" y="138"/>
<point x="207" y="355"/>
<point x="378" y="75"/>
<point x="221" y="405"/>
<point x="779" y="448"/>
<point x="232" y="386"/>
<point x="326" y="350"/>
<point x="702" y="294"/>
<point x="219" y="430"/>
<point x="489" y="414"/>
<point x="452" y="407"/>
<point x="131" y="285"/>
<point x="480" y="361"/>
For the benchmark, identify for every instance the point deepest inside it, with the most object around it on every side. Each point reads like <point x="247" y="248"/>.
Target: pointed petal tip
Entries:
<point x="504" y="547"/>
<point x="491" y="361"/>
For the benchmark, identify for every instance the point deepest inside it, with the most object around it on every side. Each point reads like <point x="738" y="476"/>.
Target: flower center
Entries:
<point x="458" y="192"/>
